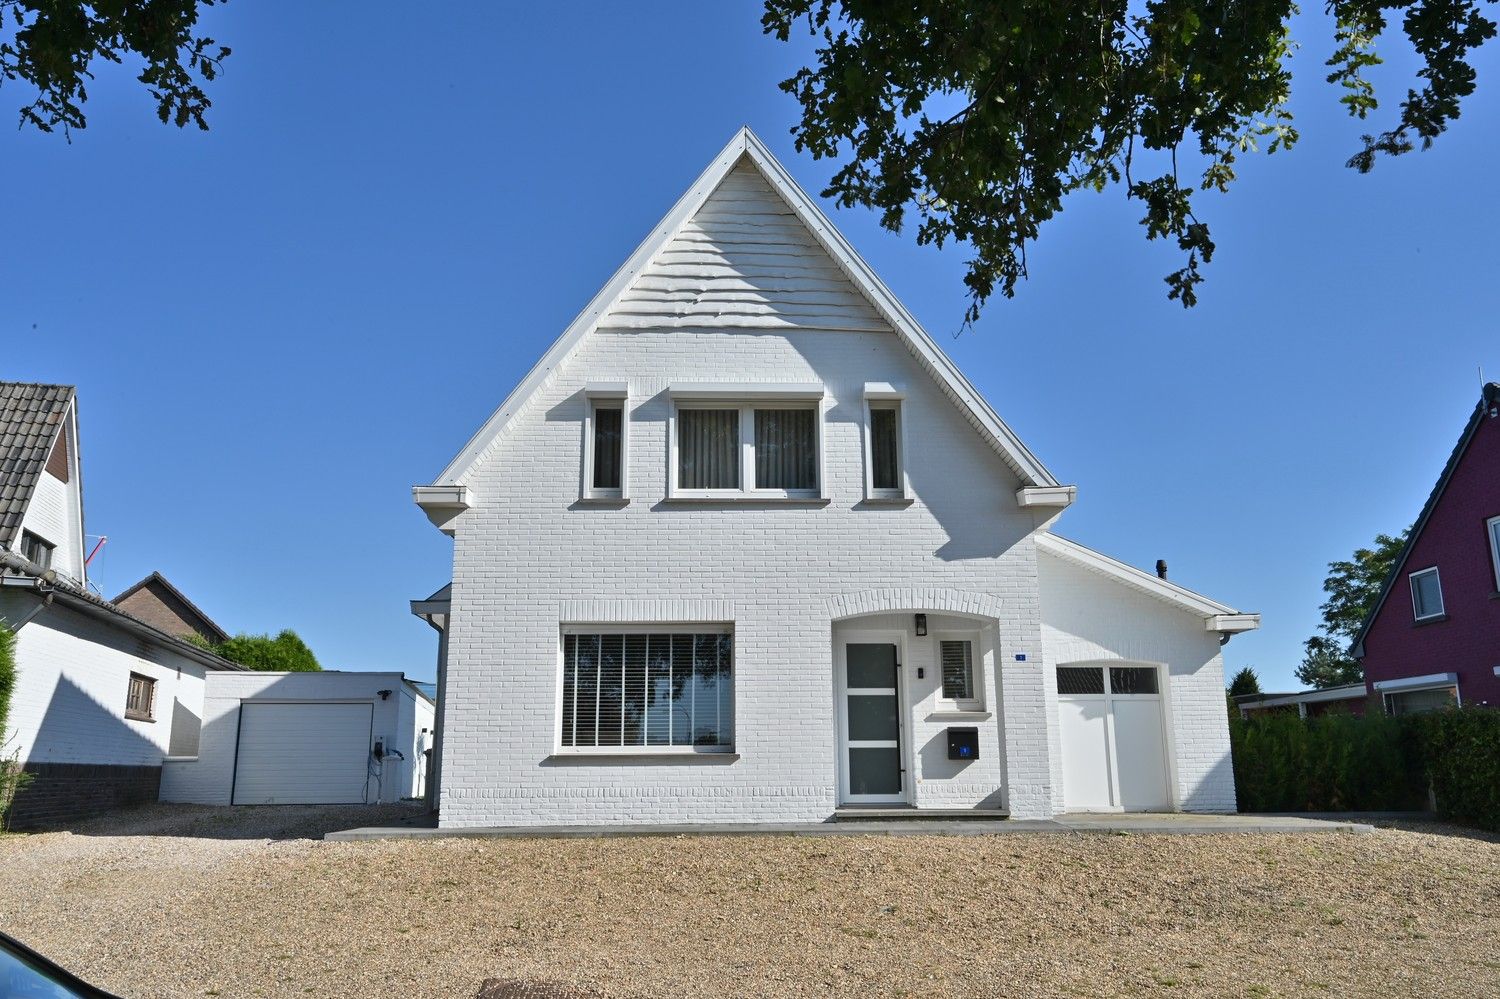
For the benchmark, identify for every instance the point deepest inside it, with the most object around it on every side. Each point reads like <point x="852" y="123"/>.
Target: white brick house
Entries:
<point x="746" y="546"/>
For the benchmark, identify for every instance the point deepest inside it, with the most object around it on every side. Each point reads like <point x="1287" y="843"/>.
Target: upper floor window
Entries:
<point x="1494" y="528"/>
<point x="728" y="448"/>
<point x="885" y="458"/>
<point x="605" y="434"/>
<point x="140" y="700"/>
<point x="36" y="550"/>
<point x="1426" y="594"/>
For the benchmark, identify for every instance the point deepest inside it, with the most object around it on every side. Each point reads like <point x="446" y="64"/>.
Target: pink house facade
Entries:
<point x="1433" y="638"/>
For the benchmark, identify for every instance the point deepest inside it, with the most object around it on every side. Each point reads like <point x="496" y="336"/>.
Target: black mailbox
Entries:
<point x="963" y="744"/>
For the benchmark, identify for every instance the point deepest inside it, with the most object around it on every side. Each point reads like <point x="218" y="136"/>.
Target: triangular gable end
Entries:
<point x="642" y="293"/>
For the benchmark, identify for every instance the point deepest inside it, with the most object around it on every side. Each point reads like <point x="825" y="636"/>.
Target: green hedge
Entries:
<point x="1343" y="762"/>
<point x="1461" y="750"/>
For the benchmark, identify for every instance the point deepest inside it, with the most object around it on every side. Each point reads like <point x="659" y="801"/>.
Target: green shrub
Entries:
<point x="1332" y="762"/>
<point x="7" y="676"/>
<point x="286" y="653"/>
<point x="1461" y="750"/>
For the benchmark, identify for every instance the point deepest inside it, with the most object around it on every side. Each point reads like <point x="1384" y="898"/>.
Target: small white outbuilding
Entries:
<point x="306" y="738"/>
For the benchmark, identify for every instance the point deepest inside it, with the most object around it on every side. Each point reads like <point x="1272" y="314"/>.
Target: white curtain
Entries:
<point x="708" y="449"/>
<point x="786" y="449"/>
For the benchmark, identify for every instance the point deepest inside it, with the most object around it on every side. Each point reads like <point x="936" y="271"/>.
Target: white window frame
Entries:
<point x="1442" y="608"/>
<point x="730" y="752"/>
<point x="747" y="399"/>
<point x="977" y="654"/>
<point x="1493" y="527"/>
<point x="613" y="394"/>
<point x="882" y="395"/>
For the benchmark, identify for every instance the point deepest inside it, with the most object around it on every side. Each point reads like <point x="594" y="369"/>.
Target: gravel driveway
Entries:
<point x="188" y="901"/>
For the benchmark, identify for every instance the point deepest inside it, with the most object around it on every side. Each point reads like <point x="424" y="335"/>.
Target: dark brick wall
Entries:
<point x="65" y="793"/>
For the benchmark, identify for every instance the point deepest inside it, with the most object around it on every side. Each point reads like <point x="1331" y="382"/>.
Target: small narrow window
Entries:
<point x="1494" y="526"/>
<point x="140" y="700"/>
<point x="606" y="442"/>
<point x="1426" y="594"/>
<point x="608" y="421"/>
<point x="885" y="450"/>
<point x="957" y="661"/>
<point x="36" y="550"/>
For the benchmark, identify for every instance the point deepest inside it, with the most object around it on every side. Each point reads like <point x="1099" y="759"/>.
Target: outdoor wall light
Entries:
<point x="384" y="694"/>
<point x="921" y="625"/>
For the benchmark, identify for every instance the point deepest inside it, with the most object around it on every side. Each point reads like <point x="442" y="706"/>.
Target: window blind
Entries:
<point x="669" y="689"/>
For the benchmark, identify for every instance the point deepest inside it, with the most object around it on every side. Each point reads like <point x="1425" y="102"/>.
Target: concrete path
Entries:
<point x="1100" y="824"/>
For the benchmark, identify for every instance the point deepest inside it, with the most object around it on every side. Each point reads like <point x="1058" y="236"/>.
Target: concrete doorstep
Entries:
<point x="1113" y="824"/>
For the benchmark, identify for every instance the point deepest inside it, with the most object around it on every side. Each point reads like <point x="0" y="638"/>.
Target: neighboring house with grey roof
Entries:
<point x="157" y="602"/>
<point x="103" y="695"/>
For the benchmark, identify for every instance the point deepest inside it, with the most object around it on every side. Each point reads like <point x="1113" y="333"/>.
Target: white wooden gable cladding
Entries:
<point x="743" y="260"/>
<point x="746" y="247"/>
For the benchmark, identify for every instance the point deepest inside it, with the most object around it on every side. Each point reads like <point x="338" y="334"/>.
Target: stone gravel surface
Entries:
<point x="185" y="901"/>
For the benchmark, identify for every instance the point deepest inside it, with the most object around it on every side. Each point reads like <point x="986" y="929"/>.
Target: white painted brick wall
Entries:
<point x="527" y="554"/>
<point x="73" y="675"/>
<point x="53" y="515"/>
<point x="1087" y="616"/>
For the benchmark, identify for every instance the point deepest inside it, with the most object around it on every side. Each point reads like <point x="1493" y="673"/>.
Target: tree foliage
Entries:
<point x="1244" y="682"/>
<point x="51" y="46"/>
<point x="984" y="116"/>
<point x="1352" y="586"/>
<point x="286" y="653"/>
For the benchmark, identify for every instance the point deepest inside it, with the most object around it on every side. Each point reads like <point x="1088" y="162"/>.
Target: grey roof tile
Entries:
<point x="30" y="417"/>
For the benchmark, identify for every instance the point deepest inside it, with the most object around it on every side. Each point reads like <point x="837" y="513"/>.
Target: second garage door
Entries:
<point x="302" y="754"/>
<point x="1114" y="749"/>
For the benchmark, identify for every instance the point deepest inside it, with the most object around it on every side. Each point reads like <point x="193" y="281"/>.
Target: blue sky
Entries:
<point x="279" y="326"/>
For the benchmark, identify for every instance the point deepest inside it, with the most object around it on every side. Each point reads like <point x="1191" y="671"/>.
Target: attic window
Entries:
<point x="36" y="550"/>
<point x="1426" y="594"/>
<point x="747" y="444"/>
<point x="605" y="438"/>
<point x="885" y="451"/>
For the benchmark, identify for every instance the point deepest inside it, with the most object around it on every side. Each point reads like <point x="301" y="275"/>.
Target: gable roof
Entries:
<point x="746" y="147"/>
<point x="15" y="570"/>
<point x="156" y="581"/>
<point x="1489" y="402"/>
<point x="31" y="416"/>
<point x="1219" y="617"/>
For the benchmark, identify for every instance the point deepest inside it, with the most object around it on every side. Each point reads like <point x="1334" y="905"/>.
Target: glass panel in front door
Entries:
<point x="872" y="721"/>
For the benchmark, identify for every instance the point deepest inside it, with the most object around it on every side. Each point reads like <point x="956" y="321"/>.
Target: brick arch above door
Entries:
<point x="896" y="599"/>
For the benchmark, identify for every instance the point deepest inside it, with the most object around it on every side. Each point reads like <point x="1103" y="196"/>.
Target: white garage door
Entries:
<point x="1114" y="748"/>
<point x="302" y="754"/>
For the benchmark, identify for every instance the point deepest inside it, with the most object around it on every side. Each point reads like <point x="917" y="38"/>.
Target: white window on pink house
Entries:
<point x="1426" y="594"/>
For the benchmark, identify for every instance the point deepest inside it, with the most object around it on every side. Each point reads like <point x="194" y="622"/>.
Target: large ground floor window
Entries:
<point x="642" y="688"/>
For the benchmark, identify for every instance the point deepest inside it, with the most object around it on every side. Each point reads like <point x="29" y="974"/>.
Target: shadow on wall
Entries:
<point x="1217" y="775"/>
<point x="85" y="760"/>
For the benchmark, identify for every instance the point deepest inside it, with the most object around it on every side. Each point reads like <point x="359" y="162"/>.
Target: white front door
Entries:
<point x="871" y="765"/>
<point x="1114" y="748"/>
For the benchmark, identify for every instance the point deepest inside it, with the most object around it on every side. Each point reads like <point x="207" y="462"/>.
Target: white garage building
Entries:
<point x="306" y="738"/>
